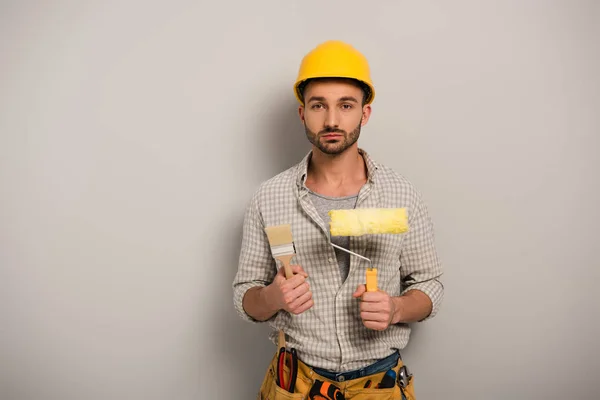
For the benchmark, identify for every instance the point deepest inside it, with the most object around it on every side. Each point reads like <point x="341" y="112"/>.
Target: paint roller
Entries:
<point x="367" y="221"/>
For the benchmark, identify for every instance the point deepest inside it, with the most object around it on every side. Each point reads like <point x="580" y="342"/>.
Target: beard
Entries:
<point x="333" y="146"/>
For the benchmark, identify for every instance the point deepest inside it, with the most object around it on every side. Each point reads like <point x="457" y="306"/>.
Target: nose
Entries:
<point x="332" y="120"/>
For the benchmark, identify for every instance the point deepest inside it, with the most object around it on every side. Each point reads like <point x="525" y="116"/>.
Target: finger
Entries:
<point x="382" y="307"/>
<point x="300" y="290"/>
<point x="297" y="269"/>
<point x="359" y="291"/>
<point x="376" y="326"/>
<point x="304" y="307"/>
<point x="301" y="300"/>
<point x="297" y="281"/>
<point x="294" y="282"/>
<point x="374" y="316"/>
<point x="374" y="297"/>
<point x="292" y="292"/>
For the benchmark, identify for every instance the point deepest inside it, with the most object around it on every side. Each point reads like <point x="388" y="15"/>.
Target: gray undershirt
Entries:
<point x="324" y="204"/>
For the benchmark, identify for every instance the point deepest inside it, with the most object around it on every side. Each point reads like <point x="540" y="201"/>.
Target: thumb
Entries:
<point x="297" y="269"/>
<point x="359" y="291"/>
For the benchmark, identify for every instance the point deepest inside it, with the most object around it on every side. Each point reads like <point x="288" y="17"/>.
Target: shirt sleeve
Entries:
<point x="420" y="266"/>
<point x="256" y="265"/>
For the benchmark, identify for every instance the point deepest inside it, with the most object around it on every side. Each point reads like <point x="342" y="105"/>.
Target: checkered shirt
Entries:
<point x="331" y="334"/>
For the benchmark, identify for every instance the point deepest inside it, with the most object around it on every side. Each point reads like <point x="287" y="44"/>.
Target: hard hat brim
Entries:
<point x="366" y="86"/>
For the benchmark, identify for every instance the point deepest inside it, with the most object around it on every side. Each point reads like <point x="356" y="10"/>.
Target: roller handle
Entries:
<point x="371" y="276"/>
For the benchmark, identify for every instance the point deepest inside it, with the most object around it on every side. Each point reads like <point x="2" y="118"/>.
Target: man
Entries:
<point x="345" y="338"/>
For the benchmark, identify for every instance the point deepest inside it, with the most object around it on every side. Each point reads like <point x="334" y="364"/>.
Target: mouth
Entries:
<point x="331" y="135"/>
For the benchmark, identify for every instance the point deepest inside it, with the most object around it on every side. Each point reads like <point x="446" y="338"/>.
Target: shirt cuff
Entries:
<point x="238" y="297"/>
<point x="434" y="289"/>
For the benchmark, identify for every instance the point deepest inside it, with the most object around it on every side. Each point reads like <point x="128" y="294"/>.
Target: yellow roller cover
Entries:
<point x="362" y="221"/>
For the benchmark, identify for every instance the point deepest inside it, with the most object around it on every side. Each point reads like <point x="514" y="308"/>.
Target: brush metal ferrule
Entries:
<point x="354" y="254"/>
<point x="283" y="249"/>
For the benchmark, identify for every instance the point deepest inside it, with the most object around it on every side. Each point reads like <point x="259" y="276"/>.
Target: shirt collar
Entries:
<point x="302" y="169"/>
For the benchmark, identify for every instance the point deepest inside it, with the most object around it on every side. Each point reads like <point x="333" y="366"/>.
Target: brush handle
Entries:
<point x="285" y="260"/>
<point x="281" y="339"/>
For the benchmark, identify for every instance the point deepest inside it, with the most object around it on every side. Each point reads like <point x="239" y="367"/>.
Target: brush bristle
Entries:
<point x="283" y="250"/>
<point x="279" y="235"/>
<point x="362" y="221"/>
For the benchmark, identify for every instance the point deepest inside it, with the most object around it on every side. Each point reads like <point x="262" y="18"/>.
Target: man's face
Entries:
<point x="333" y="114"/>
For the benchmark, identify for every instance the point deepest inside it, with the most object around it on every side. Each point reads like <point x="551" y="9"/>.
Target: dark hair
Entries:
<point x="363" y="86"/>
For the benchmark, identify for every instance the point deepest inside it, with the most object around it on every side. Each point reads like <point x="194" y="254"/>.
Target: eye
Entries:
<point x="347" y="106"/>
<point x="317" y="106"/>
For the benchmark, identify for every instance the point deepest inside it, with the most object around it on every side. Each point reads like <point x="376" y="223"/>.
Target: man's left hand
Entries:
<point x="377" y="309"/>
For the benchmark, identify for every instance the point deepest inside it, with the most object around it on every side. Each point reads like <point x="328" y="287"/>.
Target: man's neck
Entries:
<point x="332" y="172"/>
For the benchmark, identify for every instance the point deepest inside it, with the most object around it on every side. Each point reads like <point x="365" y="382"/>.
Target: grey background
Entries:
<point x="132" y="135"/>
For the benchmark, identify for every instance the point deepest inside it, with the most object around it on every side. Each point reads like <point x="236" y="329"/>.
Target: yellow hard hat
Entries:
<point x="334" y="59"/>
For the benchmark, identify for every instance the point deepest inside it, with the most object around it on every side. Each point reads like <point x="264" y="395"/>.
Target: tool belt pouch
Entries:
<point x="271" y="389"/>
<point x="312" y="386"/>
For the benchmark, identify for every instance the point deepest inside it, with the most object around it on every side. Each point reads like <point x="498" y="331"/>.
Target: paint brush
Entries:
<point x="282" y="245"/>
<point x="282" y="249"/>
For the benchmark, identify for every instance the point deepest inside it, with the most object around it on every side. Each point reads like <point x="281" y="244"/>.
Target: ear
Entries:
<point x="366" y="114"/>
<point x="301" y="113"/>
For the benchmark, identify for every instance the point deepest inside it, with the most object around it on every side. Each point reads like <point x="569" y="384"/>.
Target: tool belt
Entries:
<point x="287" y="377"/>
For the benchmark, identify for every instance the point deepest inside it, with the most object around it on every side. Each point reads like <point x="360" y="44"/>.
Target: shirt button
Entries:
<point x="340" y="379"/>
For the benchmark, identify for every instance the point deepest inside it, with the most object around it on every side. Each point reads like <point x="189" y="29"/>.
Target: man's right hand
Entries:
<point x="292" y="295"/>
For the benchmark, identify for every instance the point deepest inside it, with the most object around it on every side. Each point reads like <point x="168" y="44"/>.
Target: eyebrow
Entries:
<point x="321" y="98"/>
<point x="316" y="98"/>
